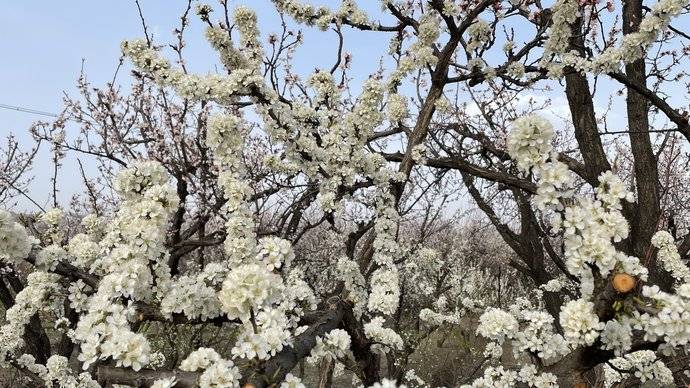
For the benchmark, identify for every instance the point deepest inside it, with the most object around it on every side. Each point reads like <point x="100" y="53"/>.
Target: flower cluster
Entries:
<point x="669" y="257"/>
<point x="335" y="344"/>
<point x="642" y="364"/>
<point x="248" y="288"/>
<point x="421" y="52"/>
<point x="497" y="325"/>
<point x="386" y="383"/>
<point x="564" y="13"/>
<point x="581" y="326"/>
<point x="217" y="372"/>
<point x="397" y="109"/>
<point x="617" y="335"/>
<point x="164" y="383"/>
<point x="57" y="372"/>
<point x="479" y="32"/>
<point x="306" y="13"/>
<point x="538" y="336"/>
<point x="436" y="318"/>
<point x="529" y="142"/>
<point x="672" y="319"/>
<point x="338" y="157"/>
<point x="385" y="292"/>
<point x="39" y="293"/>
<point x="355" y="284"/>
<point x="130" y="248"/>
<point x="15" y="243"/>
<point x="245" y="19"/>
<point x="633" y="46"/>
<point x="52" y="219"/>
<point x="500" y="377"/>
<point x="275" y="252"/>
<point x="375" y="331"/>
<point x="590" y="227"/>
<point x="84" y="250"/>
<point x="292" y="381"/>
<point x="267" y="336"/>
<point x="191" y="86"/>
<point x="194" y="295"/>
<point x="49" y="257"/>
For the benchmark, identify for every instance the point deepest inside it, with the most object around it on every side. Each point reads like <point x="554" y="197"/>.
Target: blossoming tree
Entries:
<point x="209" y="184"/>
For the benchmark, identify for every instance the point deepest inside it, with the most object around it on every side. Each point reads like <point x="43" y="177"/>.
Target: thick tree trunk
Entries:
<point x="646" y="218"/>
<point x="585" y="124"/>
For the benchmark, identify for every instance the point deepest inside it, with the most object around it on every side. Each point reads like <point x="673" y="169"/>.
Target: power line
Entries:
<point x="28" y="110"/>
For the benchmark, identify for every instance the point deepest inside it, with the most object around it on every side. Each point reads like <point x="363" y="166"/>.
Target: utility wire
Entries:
<point x="27" y="110"/>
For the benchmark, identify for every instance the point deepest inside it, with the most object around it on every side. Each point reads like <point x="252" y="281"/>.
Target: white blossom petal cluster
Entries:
<point x="221" y="374"/>
<point x="632" y="47"/>
<point x="479" y="33"/>
<point x="529" y="141"/>
<point x="387" y="383"/>
<point x="52" y="219"/>
<point x="643" y="365"/>
<point x="49" y="257"/>
<point x="39" y="293"/>
<point x="538" y="336"/>
<point x="617" y="336"/>
<point x="669" y="256"/>
<point x="500" y="377"/>
<point x="251" y="291"/>
<point x="497" y="325"/>
<point x="201" y="358"/>
<point x="412" y="377"/>
<point x="245" y="19"/>
<point x="247" y="288"/>
<point x="15" y="243"/>
<point x="590" y="227"/>
<point x="217" y="372"/>
<point x="397" y="109"/>
<point x="164" y="383"/>
<point x="375" y="331"/>
<point x="337" y="157"/>
<point x="530" y="331"/>
<point x="671" y="321"/>
<point x="435" y="318"/>
<point x="270" y="333"/>
<point x="193" y="296"/>
<point x="421" y="52"/>
<point x="581" y="326"/>
<point x="192" y="86"/>
<point x="275" y="252"/>
<point x="355" y="284"/>
<point x="322" y="16"/>
<point x="385" y="292"/>
<point x="564" y="13"/>
<point x="84" y="250"/>
<point x="57" y="373"/>
<point x="335" y="343"/>
<point x="78" y="297"/>
<point x="292" y="381"/>
<point x="132" y="245"/>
